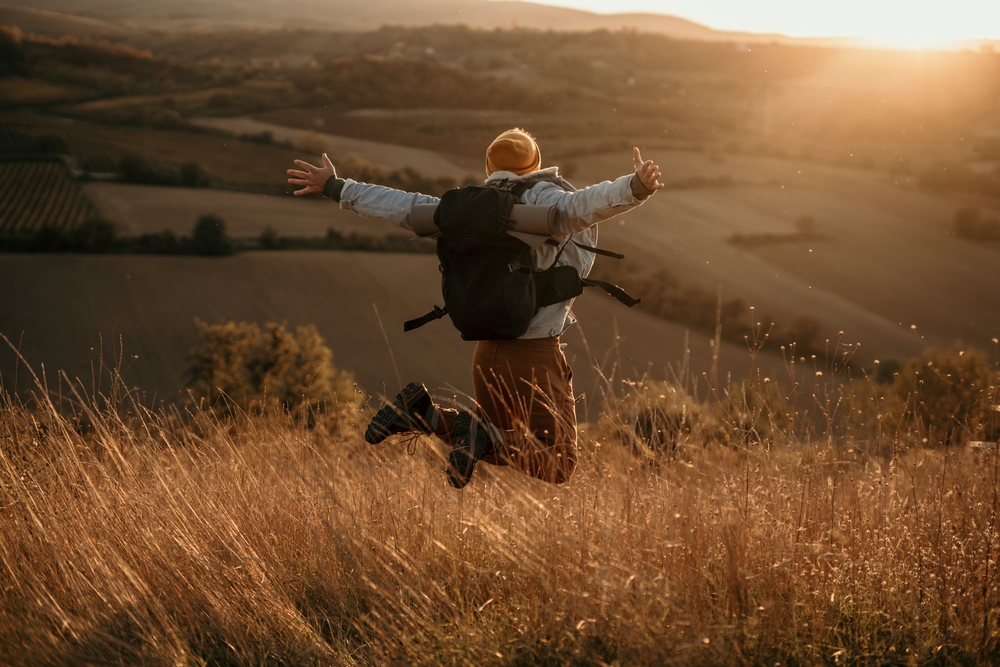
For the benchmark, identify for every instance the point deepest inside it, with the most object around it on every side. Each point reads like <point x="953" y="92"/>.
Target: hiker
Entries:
<point x="525" y="415"/>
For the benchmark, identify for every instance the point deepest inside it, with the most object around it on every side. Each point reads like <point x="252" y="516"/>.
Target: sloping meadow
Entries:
<point x="189" y="538"/>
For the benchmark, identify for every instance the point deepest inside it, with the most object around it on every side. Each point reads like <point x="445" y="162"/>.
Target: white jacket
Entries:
<point x="578" y="212"/>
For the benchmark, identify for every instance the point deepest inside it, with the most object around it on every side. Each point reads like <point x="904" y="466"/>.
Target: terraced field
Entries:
<point x="40" y="193"/>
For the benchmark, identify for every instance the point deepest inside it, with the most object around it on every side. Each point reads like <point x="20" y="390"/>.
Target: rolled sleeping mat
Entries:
<point x="528" y="219"/>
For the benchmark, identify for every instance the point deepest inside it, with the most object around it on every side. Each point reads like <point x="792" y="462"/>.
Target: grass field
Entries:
<point x="766" y="507"/>
<point x="137" y="538"/>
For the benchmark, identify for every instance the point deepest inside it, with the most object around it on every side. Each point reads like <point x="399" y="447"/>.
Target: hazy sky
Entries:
<point x="901" y="22"/>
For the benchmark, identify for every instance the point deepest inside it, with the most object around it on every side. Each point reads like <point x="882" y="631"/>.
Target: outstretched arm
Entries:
<point x="596" y="203"/>
<point x="365" y="199"/>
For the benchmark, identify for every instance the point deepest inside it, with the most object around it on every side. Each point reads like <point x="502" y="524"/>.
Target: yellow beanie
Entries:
<point x="515" y="151"/>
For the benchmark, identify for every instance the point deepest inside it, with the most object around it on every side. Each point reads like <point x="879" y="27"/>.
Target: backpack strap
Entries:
<point x="518" y="190"/>
<point x="435" y="314"/>
<point x="598" y="251"/>
<point x="614" y="290"/>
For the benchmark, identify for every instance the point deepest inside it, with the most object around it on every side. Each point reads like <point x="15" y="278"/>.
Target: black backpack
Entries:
<point x="491" y="290"/>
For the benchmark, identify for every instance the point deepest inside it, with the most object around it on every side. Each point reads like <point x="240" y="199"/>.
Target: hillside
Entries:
<point x="148" y="305"/>
<point x="118" y="16"/>
<point x="877" y="152"/>
<point x="885" y="257"/>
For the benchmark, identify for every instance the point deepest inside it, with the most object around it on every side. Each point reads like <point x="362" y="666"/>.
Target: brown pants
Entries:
<point x="525" y="388"/>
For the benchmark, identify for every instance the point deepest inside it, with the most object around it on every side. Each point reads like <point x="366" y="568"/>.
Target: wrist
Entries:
<point x="639" y="189"/>
<point x="333" y="188"/>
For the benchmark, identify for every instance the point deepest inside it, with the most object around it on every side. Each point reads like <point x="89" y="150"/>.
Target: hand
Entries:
<point x="313" y="178"/>
<point x="647" y="172"/>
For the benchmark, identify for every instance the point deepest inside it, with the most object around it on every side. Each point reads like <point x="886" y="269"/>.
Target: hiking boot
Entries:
<point x="413" y="411"/>
<point x="473" y="438"/>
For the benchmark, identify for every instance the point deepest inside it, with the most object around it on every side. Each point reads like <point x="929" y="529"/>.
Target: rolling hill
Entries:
<point x="120" y="16"/>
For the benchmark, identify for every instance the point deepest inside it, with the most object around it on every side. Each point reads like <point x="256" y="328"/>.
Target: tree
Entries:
<point x="209" y="237"/>
<point x="257" y="369"/>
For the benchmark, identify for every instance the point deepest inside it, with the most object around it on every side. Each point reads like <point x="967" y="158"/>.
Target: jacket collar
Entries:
<point x="549" y="174"/>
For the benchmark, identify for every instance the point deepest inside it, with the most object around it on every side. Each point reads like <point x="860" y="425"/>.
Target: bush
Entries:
<point x="950" y="396"/>
<point x="135" y="168"/>
<point x="240" y="365"/>
<point x="94" y="236"/>
<point x="192" y="175"/>
<point x="160" y="243"/>
<point x="209" y="237"/>
<point x="312" y="143"/>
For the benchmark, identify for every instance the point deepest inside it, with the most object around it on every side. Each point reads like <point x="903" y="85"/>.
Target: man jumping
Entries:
<point x="525" y="415"/>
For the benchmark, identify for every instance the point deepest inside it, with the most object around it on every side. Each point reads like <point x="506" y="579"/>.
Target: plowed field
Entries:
<point x="40" y="193"/>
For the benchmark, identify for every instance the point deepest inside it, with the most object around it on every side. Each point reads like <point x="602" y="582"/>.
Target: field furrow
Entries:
<point x="39" y="194"/>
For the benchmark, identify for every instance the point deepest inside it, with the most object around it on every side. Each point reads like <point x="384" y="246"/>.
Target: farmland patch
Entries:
<point x="40" y="193"/>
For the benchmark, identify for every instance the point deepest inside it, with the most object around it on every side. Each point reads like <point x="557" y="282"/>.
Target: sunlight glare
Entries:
<point x="901" y="24"/>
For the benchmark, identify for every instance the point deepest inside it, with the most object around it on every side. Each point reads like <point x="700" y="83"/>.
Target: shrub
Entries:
<point x="135" y="168"/>
<point x="240" y="365"/>
<point x="192" y="175"/>
<point x="312" y="143"/>
<point x="950" y="396"/>
<point x="160" y="243"/>
<point x="95" y="235"/>
<point x="209" y="237"/>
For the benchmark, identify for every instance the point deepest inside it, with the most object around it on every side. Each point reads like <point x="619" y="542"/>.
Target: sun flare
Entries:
<point x="877" y="23"/>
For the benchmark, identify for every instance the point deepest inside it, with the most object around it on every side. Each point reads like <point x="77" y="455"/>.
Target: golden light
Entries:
<point x="902" y="24"/>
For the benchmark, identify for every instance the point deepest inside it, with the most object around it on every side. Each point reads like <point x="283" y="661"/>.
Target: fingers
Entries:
<point x="328" y="164"/>
<point x="649" y="173"/>
<point x="297" y="174"/>
<point x="305" y="165"/>
<point x="636" y="157"/>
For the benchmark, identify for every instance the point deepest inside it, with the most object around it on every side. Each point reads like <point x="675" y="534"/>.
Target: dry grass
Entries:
<point x="135" y="538"/>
